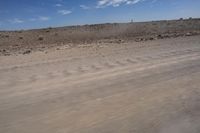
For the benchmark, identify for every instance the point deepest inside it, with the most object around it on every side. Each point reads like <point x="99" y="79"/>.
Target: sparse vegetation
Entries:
<point x="6" y="36"/>
<point x="27" y="52"/>
<point x="20" y="31"/>
<point x="108" y="33"/>
<point x="21" y="38"/>
<point x="40" y="38"/>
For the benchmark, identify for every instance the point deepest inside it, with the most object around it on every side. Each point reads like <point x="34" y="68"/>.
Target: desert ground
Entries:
<point x="109" y="78"/>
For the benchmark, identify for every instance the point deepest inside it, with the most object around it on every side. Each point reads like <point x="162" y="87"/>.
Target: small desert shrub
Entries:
<point x="159" y="36"/>
<point x="20" y="31"/>
<point x="21" y="38"/>
<point x="6" y="36"/>
<point x="27" y="52"/>
<point x="41" y="38"/>
<point x="151" y="38"/>
<point x="168" y="23"/>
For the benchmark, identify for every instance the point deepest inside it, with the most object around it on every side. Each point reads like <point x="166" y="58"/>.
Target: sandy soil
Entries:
<point x="130" y="87"/>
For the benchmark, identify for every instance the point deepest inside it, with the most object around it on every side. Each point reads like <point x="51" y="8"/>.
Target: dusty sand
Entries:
<point x="148" y="86"/>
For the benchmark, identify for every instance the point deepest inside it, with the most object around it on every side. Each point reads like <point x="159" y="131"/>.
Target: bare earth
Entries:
<point x="134" y="87"/>
<point x="28" y="41"/>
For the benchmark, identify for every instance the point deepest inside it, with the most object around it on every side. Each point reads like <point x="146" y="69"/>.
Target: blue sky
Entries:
<point x="29" y="14"/>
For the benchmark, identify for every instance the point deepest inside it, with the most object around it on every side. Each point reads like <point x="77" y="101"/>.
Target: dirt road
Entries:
<point x="146" y="87"/>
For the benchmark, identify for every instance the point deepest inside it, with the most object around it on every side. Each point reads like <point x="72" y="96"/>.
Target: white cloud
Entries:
<point x="84" y="7"/>
<point x="43" y="18"/>
<point x="32" y="19"/>
<point x="58" y="5"/>
<point x="16" y="21"/>
<point x="40" y="18"/>
<point x="115" y="3"/>
<point x="64" y="12"/>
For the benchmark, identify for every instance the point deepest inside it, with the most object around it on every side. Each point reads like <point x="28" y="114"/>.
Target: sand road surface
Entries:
<point x="145" y="87"/>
